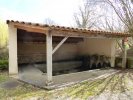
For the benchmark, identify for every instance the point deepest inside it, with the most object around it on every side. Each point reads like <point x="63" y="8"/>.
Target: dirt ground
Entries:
<point x="118" y="86"/>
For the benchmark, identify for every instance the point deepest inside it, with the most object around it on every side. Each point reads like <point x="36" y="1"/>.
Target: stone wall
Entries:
<point x="36" y="52"/>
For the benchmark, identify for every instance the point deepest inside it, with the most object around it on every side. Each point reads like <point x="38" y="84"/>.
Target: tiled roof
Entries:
<point x="69" y="29"/>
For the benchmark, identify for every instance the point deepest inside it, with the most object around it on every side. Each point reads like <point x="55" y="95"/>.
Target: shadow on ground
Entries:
<point x="117" y="86"/>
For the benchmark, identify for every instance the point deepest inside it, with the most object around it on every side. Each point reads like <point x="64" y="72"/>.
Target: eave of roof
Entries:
<point x="63" y="31"/>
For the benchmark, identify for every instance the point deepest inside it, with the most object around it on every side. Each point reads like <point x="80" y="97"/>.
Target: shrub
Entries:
<point x="4" y="53"/>
<point x="3" y="34"/>
<point x="3" y="64"/>
<point x="3" y="58"/>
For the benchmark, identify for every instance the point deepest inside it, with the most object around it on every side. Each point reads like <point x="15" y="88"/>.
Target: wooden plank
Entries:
<point x="29" y="28"/>
<point x="69" y="40"/>
<point x="35" y="37"/>
<point x="85" y="34"/>
<point x="49" y="57"/>
<point x="66" y="32"/>
<point x="82" y="34"/>
<point x="57" y="47"/>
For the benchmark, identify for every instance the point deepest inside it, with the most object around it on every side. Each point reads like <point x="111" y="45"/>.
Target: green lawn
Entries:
<point x="118" y="83"/>
<point x="22" y="91"/>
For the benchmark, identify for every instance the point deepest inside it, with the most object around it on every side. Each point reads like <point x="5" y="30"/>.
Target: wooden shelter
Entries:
<point x="33" y="32"/>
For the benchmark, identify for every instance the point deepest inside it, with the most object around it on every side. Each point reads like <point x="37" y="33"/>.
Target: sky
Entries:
<point x="60" y="11"/>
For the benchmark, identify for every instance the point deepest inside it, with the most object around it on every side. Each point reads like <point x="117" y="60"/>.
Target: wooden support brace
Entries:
<point x="57" y="47"/>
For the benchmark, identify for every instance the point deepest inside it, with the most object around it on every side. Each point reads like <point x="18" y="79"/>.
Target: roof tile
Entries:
<point x="82" y="30"/>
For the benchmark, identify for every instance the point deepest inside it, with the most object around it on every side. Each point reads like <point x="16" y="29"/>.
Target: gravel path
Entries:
<point x="128" y="95"/>
<point x="118" y="86"/>
<point x="115" y="87"/>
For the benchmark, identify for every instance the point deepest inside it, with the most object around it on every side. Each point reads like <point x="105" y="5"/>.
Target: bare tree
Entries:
<point x="110" y="23"/>
<point x="132" y="1"/>
<point x="86" y="17"/>
<point x="49" y="21"/>
<point x="124" y="10"/>
<point x="3" y="34"/>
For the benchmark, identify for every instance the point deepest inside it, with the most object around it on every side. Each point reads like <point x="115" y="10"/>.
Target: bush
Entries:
<point x="3" y="34"/>
<point x="4" y="53"/>
<point x="130" y="63"/>
<point x="3" y="64"/>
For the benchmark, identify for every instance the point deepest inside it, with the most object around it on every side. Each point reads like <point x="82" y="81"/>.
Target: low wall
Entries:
<point x="60" y="66"/>
<point x="100" y="46"/>
<point x="36" y="52"/>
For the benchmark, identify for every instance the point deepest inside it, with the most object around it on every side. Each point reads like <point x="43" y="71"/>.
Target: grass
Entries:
<point x="22" y="91"/>
<point x="117" y="83"/>
<point x="3" y="76"/>
<point x="19" y="92"/>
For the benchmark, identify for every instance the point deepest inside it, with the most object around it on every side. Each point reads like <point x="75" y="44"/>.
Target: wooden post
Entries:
<point x="49" y="57"/>
<point x="113" y="49"/>
<point x="13" y="62"/>
<point x="124" y="58"/>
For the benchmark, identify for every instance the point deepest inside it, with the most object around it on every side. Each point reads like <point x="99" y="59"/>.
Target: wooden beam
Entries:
<point x="49" y="57"/>
<point x="85" y="34"/>
<point x="30" y="28"/>
<point x="66" y="32"/>
<point x="57" y="47"/>
<point x="35" y="37"/>
<point x="74" y="34"/>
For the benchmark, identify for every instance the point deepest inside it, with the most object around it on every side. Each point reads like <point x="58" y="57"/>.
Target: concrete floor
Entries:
<point x="35" y="77"/>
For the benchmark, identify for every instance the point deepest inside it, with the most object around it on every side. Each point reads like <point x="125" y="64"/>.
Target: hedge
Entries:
<point x="3" y="64"/>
